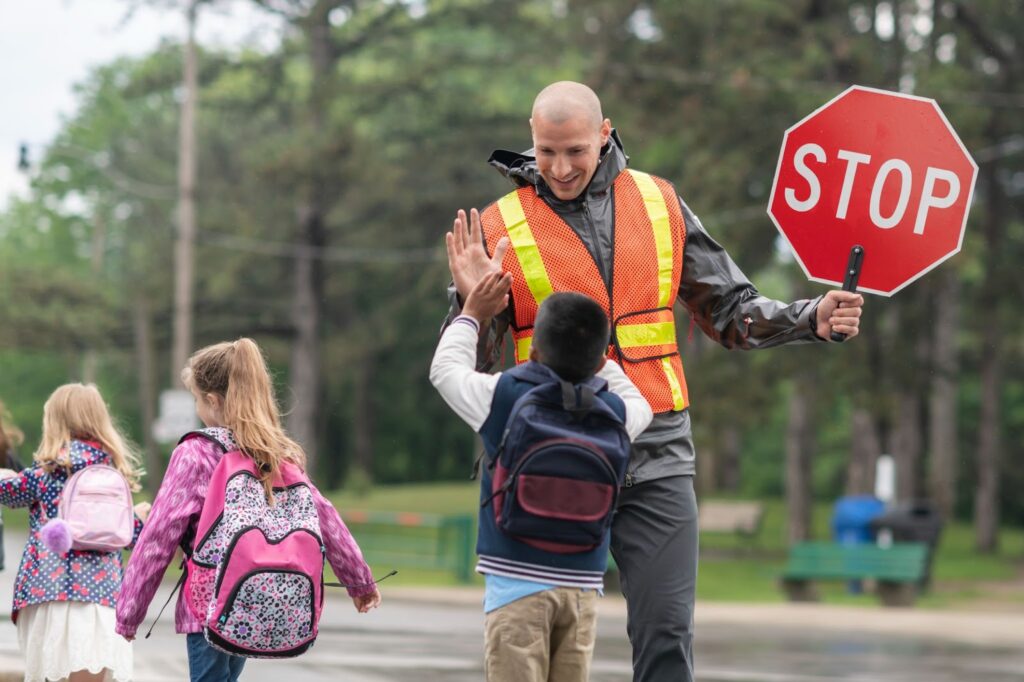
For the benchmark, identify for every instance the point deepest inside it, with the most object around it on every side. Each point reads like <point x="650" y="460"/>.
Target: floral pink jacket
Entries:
<point x="176" y="512"/>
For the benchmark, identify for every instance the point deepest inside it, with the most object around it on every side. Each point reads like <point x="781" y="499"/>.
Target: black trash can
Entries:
<point x="917" y="521"/>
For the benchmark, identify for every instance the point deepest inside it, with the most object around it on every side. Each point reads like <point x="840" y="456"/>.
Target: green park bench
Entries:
<point x="430" y="542"/>
<point x="895" y="570"/>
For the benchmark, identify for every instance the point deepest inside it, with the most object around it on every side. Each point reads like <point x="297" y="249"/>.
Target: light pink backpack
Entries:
<point x="96" y="504"/>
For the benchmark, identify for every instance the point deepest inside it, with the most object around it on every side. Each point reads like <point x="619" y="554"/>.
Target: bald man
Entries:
<point x="582" y="221"/>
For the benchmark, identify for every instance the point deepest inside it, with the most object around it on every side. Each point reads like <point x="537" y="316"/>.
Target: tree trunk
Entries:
<point x="800" y="441"/>
<point x="309" y="274"/>
<point x="905" y="444"/>
<point x="184" y="245"/>
<point x="141" y="326"/>
<point x="986" y="497"/>
<point x="363" y="417"/>
<point x="865" y="447"/>
<point x="942" y="410"/>
<point x="731" y="453"/>
<point x="305" y="361"/>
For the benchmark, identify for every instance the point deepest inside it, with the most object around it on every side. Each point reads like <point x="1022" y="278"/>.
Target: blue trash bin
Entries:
<point x="851" y="524"/>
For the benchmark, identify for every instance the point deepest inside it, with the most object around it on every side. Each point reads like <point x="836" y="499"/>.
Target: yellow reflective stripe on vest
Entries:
<point x="525" y="246"/>
<point x="523" y="348"/>
<point x="657" y="211"/>
<point x="678" y="402"/>
<point x="653" y="334"/>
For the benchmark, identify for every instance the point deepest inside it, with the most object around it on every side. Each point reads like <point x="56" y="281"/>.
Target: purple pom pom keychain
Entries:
<point x="56" y="535"/>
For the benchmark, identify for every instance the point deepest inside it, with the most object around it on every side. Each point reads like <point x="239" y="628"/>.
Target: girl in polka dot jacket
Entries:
<point x="64" y="603"/>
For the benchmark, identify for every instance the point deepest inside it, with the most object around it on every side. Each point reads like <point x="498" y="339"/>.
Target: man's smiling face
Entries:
<point x="568" y="152"/>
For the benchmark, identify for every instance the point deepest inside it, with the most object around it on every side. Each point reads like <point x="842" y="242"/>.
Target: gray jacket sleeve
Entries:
<point x="492" y="336"/>
<point x="727" y="307"/>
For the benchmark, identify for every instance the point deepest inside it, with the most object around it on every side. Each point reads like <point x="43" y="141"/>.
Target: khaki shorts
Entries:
<point x="545" y="637"/>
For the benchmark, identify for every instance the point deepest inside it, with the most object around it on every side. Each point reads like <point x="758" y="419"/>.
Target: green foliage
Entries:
<point x="701" y="94"/>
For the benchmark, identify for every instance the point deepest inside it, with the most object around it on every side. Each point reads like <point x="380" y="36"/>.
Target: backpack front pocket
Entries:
<point x="560" y="497"/>
<point x="269" y="612"/>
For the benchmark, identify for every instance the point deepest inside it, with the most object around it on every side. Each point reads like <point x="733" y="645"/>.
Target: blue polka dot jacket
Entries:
<point x="44" y="576"/>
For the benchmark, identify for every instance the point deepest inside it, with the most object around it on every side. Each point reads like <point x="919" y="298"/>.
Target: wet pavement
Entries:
<point x="430" y="636"/>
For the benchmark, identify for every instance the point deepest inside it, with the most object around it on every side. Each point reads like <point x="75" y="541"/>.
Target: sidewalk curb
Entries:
<point x="979" y="628"/>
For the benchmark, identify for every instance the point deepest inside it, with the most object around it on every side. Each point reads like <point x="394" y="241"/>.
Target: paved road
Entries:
<point x="428" y="636"/>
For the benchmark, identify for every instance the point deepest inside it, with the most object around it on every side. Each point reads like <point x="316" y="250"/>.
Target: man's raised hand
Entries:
<point x="467" y="257"/>
<point x="489" y="297"/>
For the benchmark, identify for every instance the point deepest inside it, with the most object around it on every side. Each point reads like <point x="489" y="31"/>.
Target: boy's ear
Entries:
<point x="600" y="365"/>
<point x="533" y="353"/>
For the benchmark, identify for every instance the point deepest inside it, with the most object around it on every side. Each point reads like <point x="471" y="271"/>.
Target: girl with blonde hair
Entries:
<point x="235" y="400"/>
<point x="64" y="601"/>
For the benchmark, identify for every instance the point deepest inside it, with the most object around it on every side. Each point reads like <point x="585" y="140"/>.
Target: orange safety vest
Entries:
<point x="546" y="255"/>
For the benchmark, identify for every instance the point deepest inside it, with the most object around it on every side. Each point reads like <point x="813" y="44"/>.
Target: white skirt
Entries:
<point x="59" y="637"/>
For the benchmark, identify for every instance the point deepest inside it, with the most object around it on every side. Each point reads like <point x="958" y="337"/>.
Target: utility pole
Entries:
<point x="99" y="245"/>
<point x="184" y="271"/>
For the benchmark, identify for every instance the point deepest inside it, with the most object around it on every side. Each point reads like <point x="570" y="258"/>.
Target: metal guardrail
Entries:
<point x="414" y="540"/>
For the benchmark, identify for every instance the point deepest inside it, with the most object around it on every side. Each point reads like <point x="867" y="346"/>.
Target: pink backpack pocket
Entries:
<point x="268" y="595"/>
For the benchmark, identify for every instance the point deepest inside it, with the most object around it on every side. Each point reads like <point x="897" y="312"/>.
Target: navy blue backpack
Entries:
<point x="556" y="473"/>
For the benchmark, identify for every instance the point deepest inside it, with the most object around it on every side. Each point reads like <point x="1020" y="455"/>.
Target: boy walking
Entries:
<point x="556" y="434"/>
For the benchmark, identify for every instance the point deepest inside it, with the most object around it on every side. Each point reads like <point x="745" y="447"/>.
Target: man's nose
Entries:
<point x="560" y="167"/>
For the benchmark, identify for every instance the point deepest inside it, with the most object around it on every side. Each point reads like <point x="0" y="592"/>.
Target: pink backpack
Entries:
<point x="254" y="577"/>
<point x="96" y="505"/>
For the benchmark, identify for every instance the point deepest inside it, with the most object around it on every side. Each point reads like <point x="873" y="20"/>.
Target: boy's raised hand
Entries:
<point x="489" y="297"/>
<point x="467" y="257"/>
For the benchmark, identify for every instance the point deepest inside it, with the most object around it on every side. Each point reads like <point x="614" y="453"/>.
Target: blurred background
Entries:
<point x="286" y="170"/>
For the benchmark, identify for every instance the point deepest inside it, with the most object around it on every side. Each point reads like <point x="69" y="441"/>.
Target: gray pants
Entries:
<point x="654" y="542"/>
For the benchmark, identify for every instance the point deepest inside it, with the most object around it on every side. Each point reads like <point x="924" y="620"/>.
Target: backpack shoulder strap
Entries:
<point x="221" y="437"/>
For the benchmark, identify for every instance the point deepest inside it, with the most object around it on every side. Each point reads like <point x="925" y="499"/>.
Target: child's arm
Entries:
<point x="343" y="554"/>
<point x="468" y="392"/>
<point x="180" y="498"/>
<point x="21" y="489"/>
<point x="638" y="410"/>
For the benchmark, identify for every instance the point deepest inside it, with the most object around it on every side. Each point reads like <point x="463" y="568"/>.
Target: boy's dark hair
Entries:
<point x="570" y="334"/>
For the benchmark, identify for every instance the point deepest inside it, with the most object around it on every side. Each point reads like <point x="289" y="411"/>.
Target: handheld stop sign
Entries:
<point x="872" y="190"/>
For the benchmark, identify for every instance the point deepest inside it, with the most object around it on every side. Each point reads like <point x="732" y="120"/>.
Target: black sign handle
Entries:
<point x="850" y="280"/>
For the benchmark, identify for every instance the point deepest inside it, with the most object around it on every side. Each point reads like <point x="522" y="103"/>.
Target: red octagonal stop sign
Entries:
<point x="879" y="169"/>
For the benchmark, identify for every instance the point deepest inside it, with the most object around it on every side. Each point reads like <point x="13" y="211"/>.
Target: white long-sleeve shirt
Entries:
<point x="470" y="393"/>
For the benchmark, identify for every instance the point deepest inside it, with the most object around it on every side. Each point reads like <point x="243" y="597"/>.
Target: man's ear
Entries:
<point x="533" y="353"/>
<point x="600" y="365"/>
<point x="606" y="131"/>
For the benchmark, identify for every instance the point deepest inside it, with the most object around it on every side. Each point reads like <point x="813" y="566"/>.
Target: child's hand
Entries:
<point x="489" y="297"/>
<point x="367" y="601"/>
<point x="7" y="473"/>
<point x="142" y="510"/>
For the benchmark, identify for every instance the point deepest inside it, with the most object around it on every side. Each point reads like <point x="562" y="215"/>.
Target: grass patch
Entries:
<point x="732" y="568"/>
